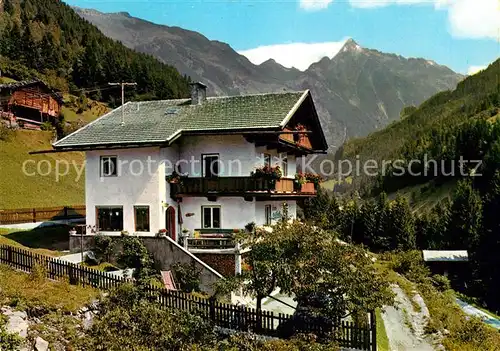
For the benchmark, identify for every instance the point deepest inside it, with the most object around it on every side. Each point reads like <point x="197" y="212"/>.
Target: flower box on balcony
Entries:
<point x="308" y="188"/>
<point x="284" y="186"/>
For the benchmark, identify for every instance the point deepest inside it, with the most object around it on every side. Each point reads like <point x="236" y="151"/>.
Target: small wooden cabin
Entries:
<point x="32" y="102"/>
<point x="450" y="263"/>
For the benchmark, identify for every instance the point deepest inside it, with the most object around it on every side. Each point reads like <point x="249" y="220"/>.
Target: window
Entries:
<point x="109" y="166"/>
<point x="210" y="165"/>
<point x="141" y="218"/>
<point x="110" y="219"/>
<point x="268" y="212"/>
<point x="211" y="216"/>
<point x="284" y="164"/>
<point x="267" y="160"/>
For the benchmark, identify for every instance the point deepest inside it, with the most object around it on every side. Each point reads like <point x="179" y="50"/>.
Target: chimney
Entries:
<point x="198" y="93"/>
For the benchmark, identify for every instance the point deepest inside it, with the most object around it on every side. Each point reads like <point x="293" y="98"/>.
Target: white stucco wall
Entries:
<point x="134" y="188"/>
<point x="233" y="151"/>
<point x="130" y="188"/>
<point x="235" y="212"/>
<point x="276" y="210"/>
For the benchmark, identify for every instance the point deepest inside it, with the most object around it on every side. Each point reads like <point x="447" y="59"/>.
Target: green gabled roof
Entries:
<point x="161" y="121"/>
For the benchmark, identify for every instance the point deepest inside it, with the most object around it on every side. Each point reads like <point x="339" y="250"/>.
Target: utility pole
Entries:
<point x="123" y="97"/>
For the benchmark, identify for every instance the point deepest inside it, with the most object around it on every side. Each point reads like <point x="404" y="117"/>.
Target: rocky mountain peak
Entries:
<point x="351" y="46"/>
<point x="355" y="93"/>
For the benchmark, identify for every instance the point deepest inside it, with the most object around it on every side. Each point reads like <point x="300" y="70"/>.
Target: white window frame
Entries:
<point x="137" y="207"/>
<point x="102" y="159"/>
<point x="268" y="159"/>
<point x="109" y="207"/>
<point x="284" y="164"/>
<point x="211" y="216"/>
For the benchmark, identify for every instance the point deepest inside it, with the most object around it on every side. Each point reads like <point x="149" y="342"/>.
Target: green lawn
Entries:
<point x="46" y="241"/>
<point x="382" y="340"/>
<point x="20" y="189"/>
<point x="6" y="80"/>
<point x="70" y="111"/>
<point x="25" y="290"/>
<point x="330" y="184"/>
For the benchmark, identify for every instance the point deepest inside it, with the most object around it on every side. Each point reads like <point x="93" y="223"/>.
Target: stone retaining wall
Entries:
<point x="166" y="252"/>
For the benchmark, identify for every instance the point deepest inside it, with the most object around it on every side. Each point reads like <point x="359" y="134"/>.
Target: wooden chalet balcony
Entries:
<point x="300" y="140"/>
<point x="240" y="186"/>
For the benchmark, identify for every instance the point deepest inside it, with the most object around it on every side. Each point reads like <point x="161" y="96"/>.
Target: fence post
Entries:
<point x="9" y="254"/>
<point x="212" y="308"/>
<point x="65" y="212"/>
<point x="373" y="330"/>
<point x="71" y="272"/>
<point x="34" y="215"/>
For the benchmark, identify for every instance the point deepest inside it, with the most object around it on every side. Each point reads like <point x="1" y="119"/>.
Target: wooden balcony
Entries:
<point x="240" y="186"/>
<point x="301" y="139"/>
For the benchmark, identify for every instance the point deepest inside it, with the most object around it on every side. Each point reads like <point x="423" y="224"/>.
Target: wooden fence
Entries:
<point x="29" y="215"/>
<point x="241" y="318"/>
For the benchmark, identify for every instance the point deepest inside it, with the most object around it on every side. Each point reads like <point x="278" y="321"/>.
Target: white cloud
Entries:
<point x="475" y="69"/>
<point x="474" y="18"/>
<point x="467" y="18"/>
<point x="298" y="55"/>
<point x="381" y="3"/>
<point x="314" y="5"/>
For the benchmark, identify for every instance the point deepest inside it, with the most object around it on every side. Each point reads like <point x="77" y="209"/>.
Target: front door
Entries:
<point x="170" y="221"/>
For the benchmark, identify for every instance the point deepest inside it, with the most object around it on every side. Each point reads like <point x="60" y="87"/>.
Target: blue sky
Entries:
<point x="462" y="34"/>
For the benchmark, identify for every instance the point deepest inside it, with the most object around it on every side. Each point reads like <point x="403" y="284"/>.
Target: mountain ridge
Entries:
<point x="359" y="90"/>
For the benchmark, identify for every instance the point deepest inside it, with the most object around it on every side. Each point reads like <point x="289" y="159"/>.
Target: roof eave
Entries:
<point x="294" y="108"/>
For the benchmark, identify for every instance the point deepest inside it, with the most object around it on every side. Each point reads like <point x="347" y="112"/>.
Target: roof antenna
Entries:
<point x="123" y="97"/>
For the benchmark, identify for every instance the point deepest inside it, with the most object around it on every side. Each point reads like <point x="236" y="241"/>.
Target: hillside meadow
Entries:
<point x="20" y="189"/>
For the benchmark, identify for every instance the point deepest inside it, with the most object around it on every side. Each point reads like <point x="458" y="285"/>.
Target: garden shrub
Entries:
<point x="46" y="126"/>
<point x="441" y="282"/>
<point x="5" y="132"/>
<point x="411" y="265"/>
<point x="136" y="255"/>
<point x="187" y="277"/>
<point x="38" y="273"/>
<point x="103" y="248"/>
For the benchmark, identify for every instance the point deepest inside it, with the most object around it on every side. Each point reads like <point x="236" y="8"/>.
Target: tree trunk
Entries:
<point x="259" y="313"/>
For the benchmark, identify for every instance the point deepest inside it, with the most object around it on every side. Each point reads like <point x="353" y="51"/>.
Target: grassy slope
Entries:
<point x="445" y="109"/>
<point x="425" y="196"/>
<point x="70" y="111"/>
<point x="18" y="190"/>
<point x="48" y="241"/>
<point x="5" y="80"/>
<point x="382" y="340"/>
<point x="25" y="290"/>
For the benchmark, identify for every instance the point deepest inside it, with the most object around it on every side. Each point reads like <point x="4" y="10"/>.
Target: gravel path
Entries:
<point x="404" y="325"/>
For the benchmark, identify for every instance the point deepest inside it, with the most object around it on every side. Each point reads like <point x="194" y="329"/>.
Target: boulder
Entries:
<point x="41" y="345"/>
<point x="17" y="322"/>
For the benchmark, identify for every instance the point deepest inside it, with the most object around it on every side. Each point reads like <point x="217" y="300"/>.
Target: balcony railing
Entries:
<point x="239" y="186"/>
<point x="211" y="243"/>
<point x="300" y="139"/>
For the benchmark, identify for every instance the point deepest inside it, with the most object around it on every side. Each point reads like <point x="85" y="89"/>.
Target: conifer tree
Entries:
<point x="465" y="223"/>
